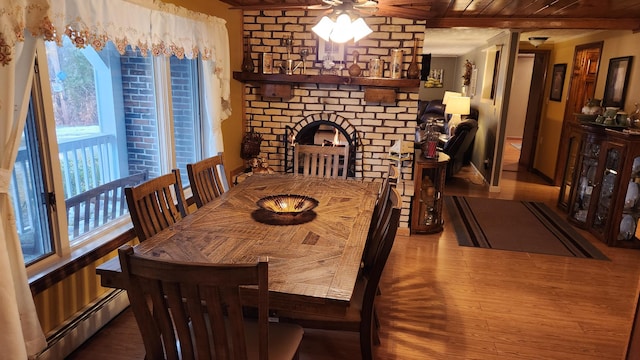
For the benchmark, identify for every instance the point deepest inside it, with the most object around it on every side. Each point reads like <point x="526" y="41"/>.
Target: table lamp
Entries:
<point x="448" y="95"/>
<point x="445" y="99"/>
<point x="457" y="106"/>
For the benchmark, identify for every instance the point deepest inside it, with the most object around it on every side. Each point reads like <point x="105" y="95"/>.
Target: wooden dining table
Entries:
<point x="314" y="258"/>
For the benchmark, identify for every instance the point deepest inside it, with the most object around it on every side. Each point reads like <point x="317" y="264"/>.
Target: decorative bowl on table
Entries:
<point x="287" y="204"/>
<point x="285" y="209"/>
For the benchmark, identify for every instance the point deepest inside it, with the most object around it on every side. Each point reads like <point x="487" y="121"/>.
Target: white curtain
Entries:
<point x="22" y="334"/>
<point x="150" y="25"/>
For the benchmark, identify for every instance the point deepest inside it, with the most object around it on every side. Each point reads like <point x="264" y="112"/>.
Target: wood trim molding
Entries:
<point x="325" y="79"/>
<point x="536" y="23"/>
<point x="77" y="262"/>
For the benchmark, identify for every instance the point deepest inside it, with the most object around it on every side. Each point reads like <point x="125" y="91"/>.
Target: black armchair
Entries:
<point x="458" y="144"/>
<point x="432" y="112"/>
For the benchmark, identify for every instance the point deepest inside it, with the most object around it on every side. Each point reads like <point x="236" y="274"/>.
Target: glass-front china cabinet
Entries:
<point x="601" y="183"/>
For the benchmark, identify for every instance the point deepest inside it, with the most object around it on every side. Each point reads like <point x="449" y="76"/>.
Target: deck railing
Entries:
<point x="92" y="185"/>
<point x="87" y="163"/>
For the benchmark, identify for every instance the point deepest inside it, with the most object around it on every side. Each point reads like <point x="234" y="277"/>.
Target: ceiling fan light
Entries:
<point x="360" y="29"/>
<point x="537" y="40"/>
<point x="342" y="30"/>
<point x="324" y="28"/>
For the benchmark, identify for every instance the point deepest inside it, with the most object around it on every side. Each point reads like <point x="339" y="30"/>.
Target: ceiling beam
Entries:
<point x="534" y="23"/>
<point x="273" y="7"/>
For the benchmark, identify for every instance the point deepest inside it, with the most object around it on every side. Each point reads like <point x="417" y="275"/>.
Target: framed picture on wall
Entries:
<point x="435" y="79"/>
<point x="328" y="50"/>
<point x="266" y="63"/>
<point x="473" y="82"/>
<point x="615" y="89"/>
<point x="557" y="81"/>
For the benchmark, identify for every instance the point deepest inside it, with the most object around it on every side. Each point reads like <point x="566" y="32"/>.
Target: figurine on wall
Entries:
<point x="468" y="68"/>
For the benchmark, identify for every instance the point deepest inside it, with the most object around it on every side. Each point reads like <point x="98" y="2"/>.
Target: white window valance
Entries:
<point x="153" y="27"/>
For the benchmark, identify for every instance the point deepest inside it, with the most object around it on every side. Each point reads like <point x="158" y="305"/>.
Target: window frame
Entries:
<point x="64" y="250"/>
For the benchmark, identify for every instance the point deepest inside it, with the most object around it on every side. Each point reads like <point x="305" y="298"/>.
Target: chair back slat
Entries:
<point x="156" y="204"/>
<point x="198" y="305"/>
<point x="321" y="161"/>
<point x="207" y="178"/>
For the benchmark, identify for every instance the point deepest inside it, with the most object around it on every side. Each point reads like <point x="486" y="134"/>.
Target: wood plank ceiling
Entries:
<point x="506" y="14"/>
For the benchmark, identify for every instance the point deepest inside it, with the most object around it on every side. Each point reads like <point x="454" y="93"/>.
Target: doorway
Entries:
<point x="524" y="121"/>
<point x="516" y="115"/>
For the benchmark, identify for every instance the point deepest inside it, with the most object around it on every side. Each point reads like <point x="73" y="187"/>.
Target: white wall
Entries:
<point x="519" y="99"/>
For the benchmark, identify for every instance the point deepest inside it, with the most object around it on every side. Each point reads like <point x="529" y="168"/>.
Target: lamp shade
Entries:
<point x="459" y="105"/>
<point x="342" y="29"/>
<point x="324" y="28"/>
<point x="448" y="95"/>
<point x="342" y="32"/>
<point x="360" y="29"/>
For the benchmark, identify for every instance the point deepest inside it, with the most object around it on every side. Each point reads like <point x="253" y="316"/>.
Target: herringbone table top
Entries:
<point x="312" y="265"/>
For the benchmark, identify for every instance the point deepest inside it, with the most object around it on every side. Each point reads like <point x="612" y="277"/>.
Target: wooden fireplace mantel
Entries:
<point x="248" y="77"/>
<point x="280" y="85"/>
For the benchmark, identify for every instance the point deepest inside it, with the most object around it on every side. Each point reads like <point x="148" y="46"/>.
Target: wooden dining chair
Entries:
<point x="382" y="205"/>
<point x="391" y="180"/>
<point x="194" y="310"/>
<point x="360" y="316"/>
<point x="321" y="161"/>
<point x="156" y="204"/>
<point x="208" y="179"/>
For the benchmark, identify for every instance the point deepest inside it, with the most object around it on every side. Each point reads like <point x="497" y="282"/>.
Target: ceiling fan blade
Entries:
<point x="319" y="7"/>
<point x="368" y="7"/>
<point x="367" y="3"/>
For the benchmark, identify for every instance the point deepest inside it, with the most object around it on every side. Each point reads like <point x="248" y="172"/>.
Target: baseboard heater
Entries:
<point x="70" y="335"/>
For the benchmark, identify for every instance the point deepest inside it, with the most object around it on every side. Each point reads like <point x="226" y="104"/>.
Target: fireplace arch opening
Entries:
<point x="322" y="130"/>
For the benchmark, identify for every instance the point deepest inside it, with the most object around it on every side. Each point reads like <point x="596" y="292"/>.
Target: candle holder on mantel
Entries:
<point x="289" y="65"/>
<point x="304" y="53"/>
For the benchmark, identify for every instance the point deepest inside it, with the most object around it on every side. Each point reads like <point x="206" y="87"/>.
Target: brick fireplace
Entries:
<point x="370" y="127"/>
<point x="324" y="129"/>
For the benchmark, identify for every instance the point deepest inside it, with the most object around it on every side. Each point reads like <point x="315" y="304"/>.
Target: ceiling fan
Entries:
<point x="367" y="7"/>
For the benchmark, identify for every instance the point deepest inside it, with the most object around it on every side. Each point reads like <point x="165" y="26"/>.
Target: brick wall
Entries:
<point x="183" y="88"/>
<point x="140" y="113"/>
<point x="378" y="125"/>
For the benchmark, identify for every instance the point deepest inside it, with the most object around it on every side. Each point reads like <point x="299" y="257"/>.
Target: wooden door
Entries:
<point x="534" y="107"/>
<point x="583" y="79"/>
<point x="582" y="86"/>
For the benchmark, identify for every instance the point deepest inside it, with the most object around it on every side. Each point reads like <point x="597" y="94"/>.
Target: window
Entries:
<point x="118" y="119"/>
<point x="27" y="193"/>
<point x="186" y="113"/>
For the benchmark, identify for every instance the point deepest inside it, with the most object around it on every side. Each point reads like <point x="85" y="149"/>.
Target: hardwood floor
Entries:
<point x="443" y="301"/>
<point x="511" y="155"/>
